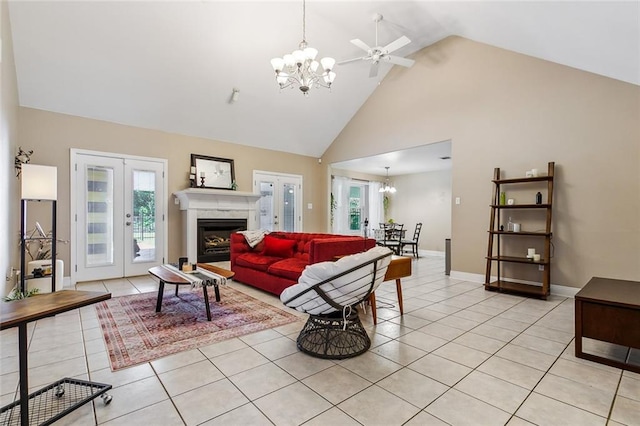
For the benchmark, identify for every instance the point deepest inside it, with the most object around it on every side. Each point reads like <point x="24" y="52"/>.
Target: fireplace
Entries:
<point x="214" y="237"/>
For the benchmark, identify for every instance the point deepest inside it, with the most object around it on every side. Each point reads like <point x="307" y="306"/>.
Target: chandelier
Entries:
<point x="387" y="187"/>
<point x="300" y="68"/>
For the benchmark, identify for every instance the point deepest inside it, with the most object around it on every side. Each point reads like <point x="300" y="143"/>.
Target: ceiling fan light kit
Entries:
<point x="380" y="53"/>
<point x="300" y="68"/>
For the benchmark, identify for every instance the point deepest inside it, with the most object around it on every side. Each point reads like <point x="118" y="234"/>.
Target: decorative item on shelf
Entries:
<point x="218" y="172"/>
<point x="528" y="174"/>
<point x="192" y="181"/>
<point x="503" y="198"/>
<point x="23" y="157"/>
<point x="511" y="201"/>
<point x="234" y="185"/>
<point x="534" y="172"/>
<point x="530" y="253"/>
<point x="516" y="227"/>
<point x="539" y="198"/>
<point x="536" y="257"/>
<point x="387" y="187"/>
<point x="300" y="68"/>
<point x="510" y="225"/>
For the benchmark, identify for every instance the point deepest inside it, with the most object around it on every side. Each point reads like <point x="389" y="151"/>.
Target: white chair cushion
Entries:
<point x="346" y="290"/>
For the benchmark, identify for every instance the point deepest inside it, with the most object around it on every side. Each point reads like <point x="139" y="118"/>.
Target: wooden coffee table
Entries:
<point x="608" y="310"/>
<point x="166" y="276"/>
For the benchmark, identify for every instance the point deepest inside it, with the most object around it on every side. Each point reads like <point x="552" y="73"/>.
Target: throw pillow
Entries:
<point x="278" y="247"/>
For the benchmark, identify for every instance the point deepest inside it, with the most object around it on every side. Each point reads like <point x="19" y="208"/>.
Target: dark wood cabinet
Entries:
<point x="501" y="238"/>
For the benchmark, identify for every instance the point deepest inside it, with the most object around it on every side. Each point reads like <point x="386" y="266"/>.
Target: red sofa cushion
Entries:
<point x="278" y="247"/>
<point x="256" y="261"/>
<point x="288" y="268"/>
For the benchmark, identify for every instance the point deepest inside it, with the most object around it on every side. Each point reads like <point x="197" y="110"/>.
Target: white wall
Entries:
<point x="8" y="148"/>
<point x="426" y="198"/>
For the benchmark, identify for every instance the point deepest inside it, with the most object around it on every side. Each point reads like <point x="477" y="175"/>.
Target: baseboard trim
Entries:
<point x="556" y="289"/>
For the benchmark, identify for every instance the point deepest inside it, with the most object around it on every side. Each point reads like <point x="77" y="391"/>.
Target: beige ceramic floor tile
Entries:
<point x="457" y="408"/>
<point x="587" y="398"/>
<point x="586" y="374"/>
<point x="399" y="352"/>
<point x="462" y="354"/>
<point x="122" y="377"/>
<point x="130" y="398"/>
<point x="162" y="413"/>
<point x="292" y="405"/>
<point x="247" y="414"/>
<point x="517" y="421"/>
<point x="189" y="377"/>
<point x="423" y="341"/>
<point x="492" y="390"/>
<point x="178" y="360"/>
<point x="374" y="405"/>
<point x="371" y="366"/>
<point x="629" y="388"/>
<point x="276" y="348"/>
<point x="479" y="342"/>
<point x="440" y="369"/>
<point x="261" y="380"/>
<point x="541" y="410"/>
<point x="334" y="416"/>
<point x="336" y="384"/>
<point x="497" y="333"/>
<point x="224" y="347"/>
<point x="208" y="402"/>
<point x="300" y="365"/>
<point x="525" y="356"/>
<point x="512" y="372"/>
<point x="240" y="360"/>
<point x="626" y="411"/>
<point x="425" y="419"/>
<point x="413" y="387"/>
<point x="539" y="344"/>
<point x="442" y="331"/>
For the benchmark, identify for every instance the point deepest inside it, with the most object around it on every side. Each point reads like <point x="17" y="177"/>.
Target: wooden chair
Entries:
<point x="334" y="329"/>
<point x="413" y="242"/>
<point x="392" y="237"/>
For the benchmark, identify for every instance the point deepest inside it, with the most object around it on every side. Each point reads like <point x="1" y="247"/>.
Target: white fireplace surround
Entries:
<point x="202" y="203"/>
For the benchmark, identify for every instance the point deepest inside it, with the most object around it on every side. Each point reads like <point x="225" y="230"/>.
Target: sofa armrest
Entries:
<point x="326" y="249"/>
<point x="239" y="245"/>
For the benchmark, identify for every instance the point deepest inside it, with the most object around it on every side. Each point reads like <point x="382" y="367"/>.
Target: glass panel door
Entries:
<point x="280" y="205"/>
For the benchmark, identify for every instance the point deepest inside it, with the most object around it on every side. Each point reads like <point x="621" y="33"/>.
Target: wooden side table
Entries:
<point x="21" y="312"/>
<point x="399" y="267"/>
<point x="608" y="310"/>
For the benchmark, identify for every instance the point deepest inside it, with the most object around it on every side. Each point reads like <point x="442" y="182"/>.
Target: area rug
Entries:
<point x="134" y="333"/>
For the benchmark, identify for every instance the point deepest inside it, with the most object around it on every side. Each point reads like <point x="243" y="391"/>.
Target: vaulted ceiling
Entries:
<point x="172" y="65"/>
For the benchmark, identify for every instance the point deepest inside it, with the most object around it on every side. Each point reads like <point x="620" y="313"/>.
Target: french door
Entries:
<point x="280" y="204"/>
<point x="118" y="215"/>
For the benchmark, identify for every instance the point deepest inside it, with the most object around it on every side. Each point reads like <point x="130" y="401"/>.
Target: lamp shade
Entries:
<point x="39" y="182"/>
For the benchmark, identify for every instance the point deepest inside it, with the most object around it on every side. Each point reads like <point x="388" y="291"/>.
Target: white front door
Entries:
<point x="118" y="217"/>
<point x="280" y="205"/>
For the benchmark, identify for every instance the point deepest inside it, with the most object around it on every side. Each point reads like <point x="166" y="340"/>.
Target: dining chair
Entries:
<point x="392" y="237"/>
<point x="413" y="242"/>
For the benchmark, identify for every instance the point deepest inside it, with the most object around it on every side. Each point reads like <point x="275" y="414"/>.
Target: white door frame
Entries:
<point x="299" y="223"/>
<point x="74" y="153"/>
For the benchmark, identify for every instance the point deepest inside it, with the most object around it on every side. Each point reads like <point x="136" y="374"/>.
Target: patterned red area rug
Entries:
<point x="134" y="333"/>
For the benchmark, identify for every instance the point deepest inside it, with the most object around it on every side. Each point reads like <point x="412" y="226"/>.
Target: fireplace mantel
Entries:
<point x="216" y="199"/>
<point x="212" y="203"/>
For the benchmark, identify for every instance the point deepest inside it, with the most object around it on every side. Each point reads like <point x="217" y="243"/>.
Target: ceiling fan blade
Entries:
<point x="348" y="61"/>
<point x="361" y="44"/>
<point x="373" y="71"/>
<point x="395" y="45"/>
<point x="405" y="62"/>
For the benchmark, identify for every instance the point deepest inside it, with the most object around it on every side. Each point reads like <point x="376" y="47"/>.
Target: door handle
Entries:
<point x="128" y="223"/>
<point x="128" y="214"/>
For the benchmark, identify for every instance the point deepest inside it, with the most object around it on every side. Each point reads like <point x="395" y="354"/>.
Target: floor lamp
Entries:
<point x="39" y="183"/>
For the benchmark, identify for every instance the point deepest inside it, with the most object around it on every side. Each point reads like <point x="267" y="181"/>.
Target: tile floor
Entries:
<point x="459" y="355"/>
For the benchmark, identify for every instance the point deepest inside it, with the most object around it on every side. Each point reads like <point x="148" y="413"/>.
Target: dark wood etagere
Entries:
<point x="496" y="247"/>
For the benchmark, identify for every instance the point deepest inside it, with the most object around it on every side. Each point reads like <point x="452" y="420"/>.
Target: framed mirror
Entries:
<point x="218" y="173"/>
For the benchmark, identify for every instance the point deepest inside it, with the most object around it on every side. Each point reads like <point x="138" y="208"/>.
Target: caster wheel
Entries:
<point x="106" y="398"/>
<point x="59" y="391"/>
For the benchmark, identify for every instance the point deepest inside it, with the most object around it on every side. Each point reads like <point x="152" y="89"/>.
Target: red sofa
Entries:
<point x="278" y="261"/>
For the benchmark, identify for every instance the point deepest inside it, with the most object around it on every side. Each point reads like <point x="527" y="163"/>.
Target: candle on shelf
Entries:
<point x="193" y="170"/>
<point x="536" y="257"/>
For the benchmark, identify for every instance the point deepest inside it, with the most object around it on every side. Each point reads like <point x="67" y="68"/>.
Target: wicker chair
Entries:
<point x="334" y="329"/>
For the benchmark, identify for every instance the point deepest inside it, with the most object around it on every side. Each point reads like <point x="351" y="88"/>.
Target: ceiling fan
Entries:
<point x="379" y="53"/>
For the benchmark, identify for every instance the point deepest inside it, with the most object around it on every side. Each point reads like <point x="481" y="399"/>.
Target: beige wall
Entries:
<point x="504" y="109"/>
<point x="52" y="135"/>
<point x="426" y="198"/>
<point x="9" y="213"/>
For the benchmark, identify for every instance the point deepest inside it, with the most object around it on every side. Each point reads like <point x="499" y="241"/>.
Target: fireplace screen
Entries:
<point x="214" y="238"/>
